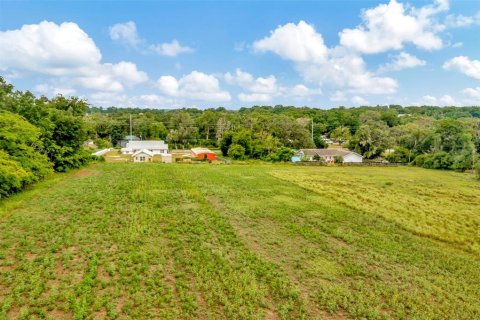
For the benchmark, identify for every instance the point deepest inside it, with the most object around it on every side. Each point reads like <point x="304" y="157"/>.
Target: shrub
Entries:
<point x="477" y="170"/>
<point x="338" y="159"/>
<point x="236" y="151"/>
<point x="282" y="154"/>
<point x="12" y="176"/>
<point x="400" y="155"/>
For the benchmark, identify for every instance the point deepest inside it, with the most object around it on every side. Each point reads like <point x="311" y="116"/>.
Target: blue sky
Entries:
<point x="167" y="54"/>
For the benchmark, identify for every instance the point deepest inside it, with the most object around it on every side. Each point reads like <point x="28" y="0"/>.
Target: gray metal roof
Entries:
<point x="147" y="144"/>
<point x="326" y="152"/>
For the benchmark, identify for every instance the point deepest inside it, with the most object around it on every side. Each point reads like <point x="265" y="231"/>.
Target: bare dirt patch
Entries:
<point x="83" y="173"/>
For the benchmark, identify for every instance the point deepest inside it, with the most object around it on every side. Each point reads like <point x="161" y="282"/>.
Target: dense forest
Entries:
<point x="40" y="135"/>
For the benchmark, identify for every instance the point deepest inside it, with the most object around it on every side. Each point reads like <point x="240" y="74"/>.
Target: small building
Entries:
<point x="167" y="158"/>
<point x="123" y="143"/>
<point x="143" y="155"/>
<point x="329" y="155"/>
<point x="204" y="153"/>
<point x="154" y="146"/>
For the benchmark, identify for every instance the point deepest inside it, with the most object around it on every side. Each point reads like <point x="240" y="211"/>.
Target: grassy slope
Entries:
<point x="240" y="242"/>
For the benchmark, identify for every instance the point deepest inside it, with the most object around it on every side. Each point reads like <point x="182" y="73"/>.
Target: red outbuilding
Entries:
<point x="204" y="153"/>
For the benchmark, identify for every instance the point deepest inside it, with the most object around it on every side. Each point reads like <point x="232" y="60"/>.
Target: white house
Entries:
<point x="143" y="155"/>
<point x="153" y="146"/>
<point x="329" y="155"/>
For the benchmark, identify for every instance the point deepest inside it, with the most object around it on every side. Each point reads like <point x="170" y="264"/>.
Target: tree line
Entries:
<point x="39" y="135"/>
<point x="430" y="137"/>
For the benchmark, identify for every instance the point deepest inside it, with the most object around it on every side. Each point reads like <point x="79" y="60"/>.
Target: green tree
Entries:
<point x="236" y="151"/>
<point x="20" y="140"/>
<point x="282" y="154"/>
<point x="341" y="135"/>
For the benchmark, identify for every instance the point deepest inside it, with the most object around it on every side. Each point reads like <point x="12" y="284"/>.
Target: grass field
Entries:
<point x="243" y="242"/>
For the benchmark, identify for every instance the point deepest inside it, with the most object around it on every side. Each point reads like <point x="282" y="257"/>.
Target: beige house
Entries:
<point x="143" y="155"/>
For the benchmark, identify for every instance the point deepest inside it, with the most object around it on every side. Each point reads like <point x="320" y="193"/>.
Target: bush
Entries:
<point x="12" y="176"/>
<point x="282" y="154"/>
<point x="477" y="170"/>
<point x="400" y="155"/>
<point x="338" y="159"/>
<point x="438" y="160"/>
<point x="236" y="151"/>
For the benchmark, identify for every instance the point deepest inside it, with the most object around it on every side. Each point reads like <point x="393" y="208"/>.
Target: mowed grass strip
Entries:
<point x="438" y="204"/>
<point x="221" y="242"/>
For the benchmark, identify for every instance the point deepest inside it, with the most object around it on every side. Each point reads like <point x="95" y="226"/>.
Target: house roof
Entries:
<point x="144" y="151"/>
<point x="147" y="144"/>
<point x="201" y="150"/>
<point x="131" y="138"/>
<point x="327" y="152"/>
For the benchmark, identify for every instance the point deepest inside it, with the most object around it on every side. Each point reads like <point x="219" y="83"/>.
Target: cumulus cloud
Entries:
<point x="65" y="51"/>
<point x="195" y="86"/>
<point x="264" y="89"/>
<point x="464" y="65"/>
<point x="127" y="33"/>
<point x="390" y="26"/>
<point x="171" y="49"/>
<point x="48" y="48"/>
<point x="347" y="70"/>
<point x="320" y="65"/>
<point x="445" y="100"/>
<point x="47" y="90"/>
<point x="359" y="101"/>
<point x="401" y="61"/>
<point x="338" y="96"/>
<point x="296" y="42"/>
<point x="473" y="95"/>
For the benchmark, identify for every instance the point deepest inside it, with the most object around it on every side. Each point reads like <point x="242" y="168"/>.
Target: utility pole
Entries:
<point x="130" y="126"/>
<point x="312" y="132"/>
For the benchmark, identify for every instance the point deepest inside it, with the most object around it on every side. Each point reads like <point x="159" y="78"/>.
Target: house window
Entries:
<point x="142" y="159"/>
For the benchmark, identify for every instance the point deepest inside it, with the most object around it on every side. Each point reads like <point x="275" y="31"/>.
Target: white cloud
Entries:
<point x="401" y="61"/>
<point x="254" y="97"/>
<point x="347" y="70"/>
<point x="473" y="95"/>
<point x="301" y="90"/>
<point x="464" y="65"/>
<point x="48" y="48"/>
<point x="172" y="49"/>
<point x="338" y="96"/>
<point x="460" y="21"/>
<point x="359" y="101"/>
<point x="48" y="90"/>
<point x="67" y="52"/>
<point x="445" y="100"/>
<point x="457" y="45"/>
<point x="390" y="26"/>
<point x="263" y="89"/>
<point x="246" y="81"/>
<point x="126" y="33"/>
<point x="296" y="42"/>
<point x="194" y="86"/>
<point x="316" y="63"/>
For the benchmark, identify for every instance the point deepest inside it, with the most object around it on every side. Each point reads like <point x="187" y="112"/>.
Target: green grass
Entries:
<point x="243" y="242"/>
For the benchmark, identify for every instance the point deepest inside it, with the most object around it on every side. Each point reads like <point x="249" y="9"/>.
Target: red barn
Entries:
<point x="204" y="153"/>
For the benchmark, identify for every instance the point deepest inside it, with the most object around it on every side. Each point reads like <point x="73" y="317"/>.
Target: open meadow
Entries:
<point x="203" y="241"/>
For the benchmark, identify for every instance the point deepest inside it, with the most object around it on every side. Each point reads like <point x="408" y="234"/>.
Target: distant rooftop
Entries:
<point x="131" y="138"/>
<point x="147" y="144"/>
<point x="326" y="152"/>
